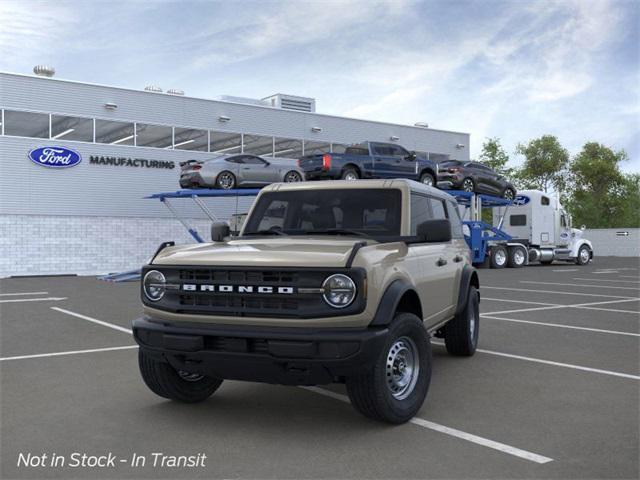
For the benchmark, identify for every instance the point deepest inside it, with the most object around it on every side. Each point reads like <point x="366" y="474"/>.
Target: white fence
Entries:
<point x="614" y="242"/>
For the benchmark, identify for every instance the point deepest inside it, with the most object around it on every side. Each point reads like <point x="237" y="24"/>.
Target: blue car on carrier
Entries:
<point x="370" y="160"/>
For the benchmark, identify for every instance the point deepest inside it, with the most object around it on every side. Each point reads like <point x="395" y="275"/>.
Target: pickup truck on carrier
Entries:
<point x="370" y="160"/>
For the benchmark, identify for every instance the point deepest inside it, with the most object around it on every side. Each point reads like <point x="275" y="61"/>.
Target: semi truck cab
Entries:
<point x="539" y="222"/>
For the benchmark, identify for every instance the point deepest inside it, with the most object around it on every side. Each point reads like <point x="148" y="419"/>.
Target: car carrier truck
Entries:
<point x="539" y="230"/>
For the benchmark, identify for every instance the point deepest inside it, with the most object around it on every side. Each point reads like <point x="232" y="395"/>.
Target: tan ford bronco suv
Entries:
<point x="331" y="281"/>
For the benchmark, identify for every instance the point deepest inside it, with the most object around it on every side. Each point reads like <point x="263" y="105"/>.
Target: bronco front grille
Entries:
<point x="302" y="300"/>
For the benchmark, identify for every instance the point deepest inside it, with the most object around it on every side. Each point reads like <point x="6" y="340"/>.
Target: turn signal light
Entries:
<point x="326" y="161"/>
<point x="454" y="170"/>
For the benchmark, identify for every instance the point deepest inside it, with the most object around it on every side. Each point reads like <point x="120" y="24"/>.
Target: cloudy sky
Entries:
<point x="514" y="69"/>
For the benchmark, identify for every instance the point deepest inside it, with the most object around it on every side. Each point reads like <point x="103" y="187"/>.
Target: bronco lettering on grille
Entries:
<point x="192" y="287"/>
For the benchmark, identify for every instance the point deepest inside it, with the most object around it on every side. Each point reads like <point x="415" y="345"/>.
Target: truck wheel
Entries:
<point x="226" y="180"/>
<point x="395" y="387"/>
<point x="517" y="257"/>
<point x="584" y="255"/>
<point x="350" y="174"/>
<point x="498" y="256"/>
<point x="165" y="381"/>
<point x="427" y="179"/>
<point x="461" y="333"/>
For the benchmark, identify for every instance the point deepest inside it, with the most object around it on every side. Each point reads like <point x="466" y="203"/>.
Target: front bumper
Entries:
<point x="288" y="356"/>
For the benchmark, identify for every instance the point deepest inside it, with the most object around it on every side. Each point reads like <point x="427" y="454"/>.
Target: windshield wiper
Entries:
<point x="266" y="232"/>
<point x="336" y="231"/>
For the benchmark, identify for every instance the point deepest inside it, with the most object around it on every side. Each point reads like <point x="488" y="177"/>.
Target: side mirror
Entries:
<point x="434" y="231"/>
<point x="583" y="227"/>
<point x="411" y="156"/>
<point x="219" y="231"/>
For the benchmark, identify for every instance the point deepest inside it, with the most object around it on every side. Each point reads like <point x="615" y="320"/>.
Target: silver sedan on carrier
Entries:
<point x="239" y="170"/>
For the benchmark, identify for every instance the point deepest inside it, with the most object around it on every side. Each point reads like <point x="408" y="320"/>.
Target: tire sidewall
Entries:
<point x="409" y="325"/>
<point x="494" y="263"/>
<point x="348" y="171"/>
<point x="292" y="172"/>
<point x="428" y="175"/>
<point x="579" y="258"/>
<point x="225" y="172"/>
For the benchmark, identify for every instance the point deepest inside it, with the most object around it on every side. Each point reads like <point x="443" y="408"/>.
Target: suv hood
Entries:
<point x="263" y="252"/>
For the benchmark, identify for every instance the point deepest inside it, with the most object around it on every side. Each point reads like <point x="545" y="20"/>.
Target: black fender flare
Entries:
<point x="389" y="302"/>
<point x="469" y="277"/>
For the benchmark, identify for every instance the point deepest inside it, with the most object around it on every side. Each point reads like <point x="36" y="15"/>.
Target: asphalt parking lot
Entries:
<point x="553" y="392"/>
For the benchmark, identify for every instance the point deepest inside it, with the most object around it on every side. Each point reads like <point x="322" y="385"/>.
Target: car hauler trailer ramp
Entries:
<point x="196" y="195"/>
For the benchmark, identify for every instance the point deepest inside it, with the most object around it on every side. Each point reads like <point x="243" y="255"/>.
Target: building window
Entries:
<point x="313" y="148"/>
<point x="114" y="133"/>
<point x="190" y="139"/>
<point x="287" y="148"/>
<point x="258" y="145"/>
<point x="26" y="124"/>
<point x="156" y="136"/>
<point x="225" y="143"/>
<point x="71" y="128"/>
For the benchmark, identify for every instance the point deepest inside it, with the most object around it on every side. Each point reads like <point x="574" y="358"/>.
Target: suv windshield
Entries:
<point x="359" y="212"/>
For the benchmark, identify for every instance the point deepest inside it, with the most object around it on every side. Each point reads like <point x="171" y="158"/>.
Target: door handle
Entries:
<point x="246" y="168"/>
<point x="457" y="259"/>
<point x="441" y="262"/>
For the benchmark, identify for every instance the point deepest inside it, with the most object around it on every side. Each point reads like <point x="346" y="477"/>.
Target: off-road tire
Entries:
<point x="234" y="182"/>
<point x="580" y="259"/>
<point x="163" y="380"/>
<point x="513" y="261"/>
<point x="426" y="176"/>
<point x="499" y="256"/>
<point x="459" y="336"/>
<point x="350" y="173"/>
<point x="370" y="393"/>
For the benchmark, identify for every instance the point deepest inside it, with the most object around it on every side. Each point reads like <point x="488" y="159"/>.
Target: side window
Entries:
<point x="518" y="220"/>
<point x="251" y="160"/>
<point x="437" y="207"/>
<point x="456" y="222"/>
<point x="235" y="160"/>
<point x="420" y="211"/>
<point x="563" y="220"/>
<point x="398" y="151"/>
<point x="544" y="201"/>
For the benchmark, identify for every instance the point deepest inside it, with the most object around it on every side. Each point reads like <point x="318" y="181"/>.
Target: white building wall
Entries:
<point x="612" y="242"/>
<point x="55" y="245"/>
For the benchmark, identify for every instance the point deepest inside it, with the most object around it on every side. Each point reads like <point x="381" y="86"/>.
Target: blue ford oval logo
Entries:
<point x="521" y="200"/>
<point x="55" y="157"/>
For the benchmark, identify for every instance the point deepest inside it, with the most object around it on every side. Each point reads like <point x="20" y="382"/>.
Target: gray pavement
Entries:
<point x="568" y="395"/>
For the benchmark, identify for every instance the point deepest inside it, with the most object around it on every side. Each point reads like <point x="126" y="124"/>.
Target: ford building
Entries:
<point x="77" y="161"/>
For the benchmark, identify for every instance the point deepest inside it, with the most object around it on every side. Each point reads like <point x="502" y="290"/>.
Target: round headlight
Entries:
<point x="154" y="285"/>
<point x="339" y="290"/>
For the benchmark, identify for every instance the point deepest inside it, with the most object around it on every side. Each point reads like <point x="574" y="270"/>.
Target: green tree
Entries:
<point x="494" y="156"/>
<point x="600" y="195"/>
<point x="545" y="164"/>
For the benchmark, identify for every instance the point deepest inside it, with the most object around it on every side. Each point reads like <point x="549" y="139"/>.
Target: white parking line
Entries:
<point x="586" y="306"/>
<point x="628" y="276"/>
<point x="93" y="320"/>
<point x="484" y="299"/>
<point x="485" y="442"/>
<point x="581" y="285"/>
<point x="556" y="364"/>
<point x="572" y="327"/>
<point x="72" y="352"/>
<point x="566" y="270"/>
<point x="555" y="292"/>
<point x="48" y="299"/>
<point x="605" y="280"/>
<point x="23" y="293"/>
